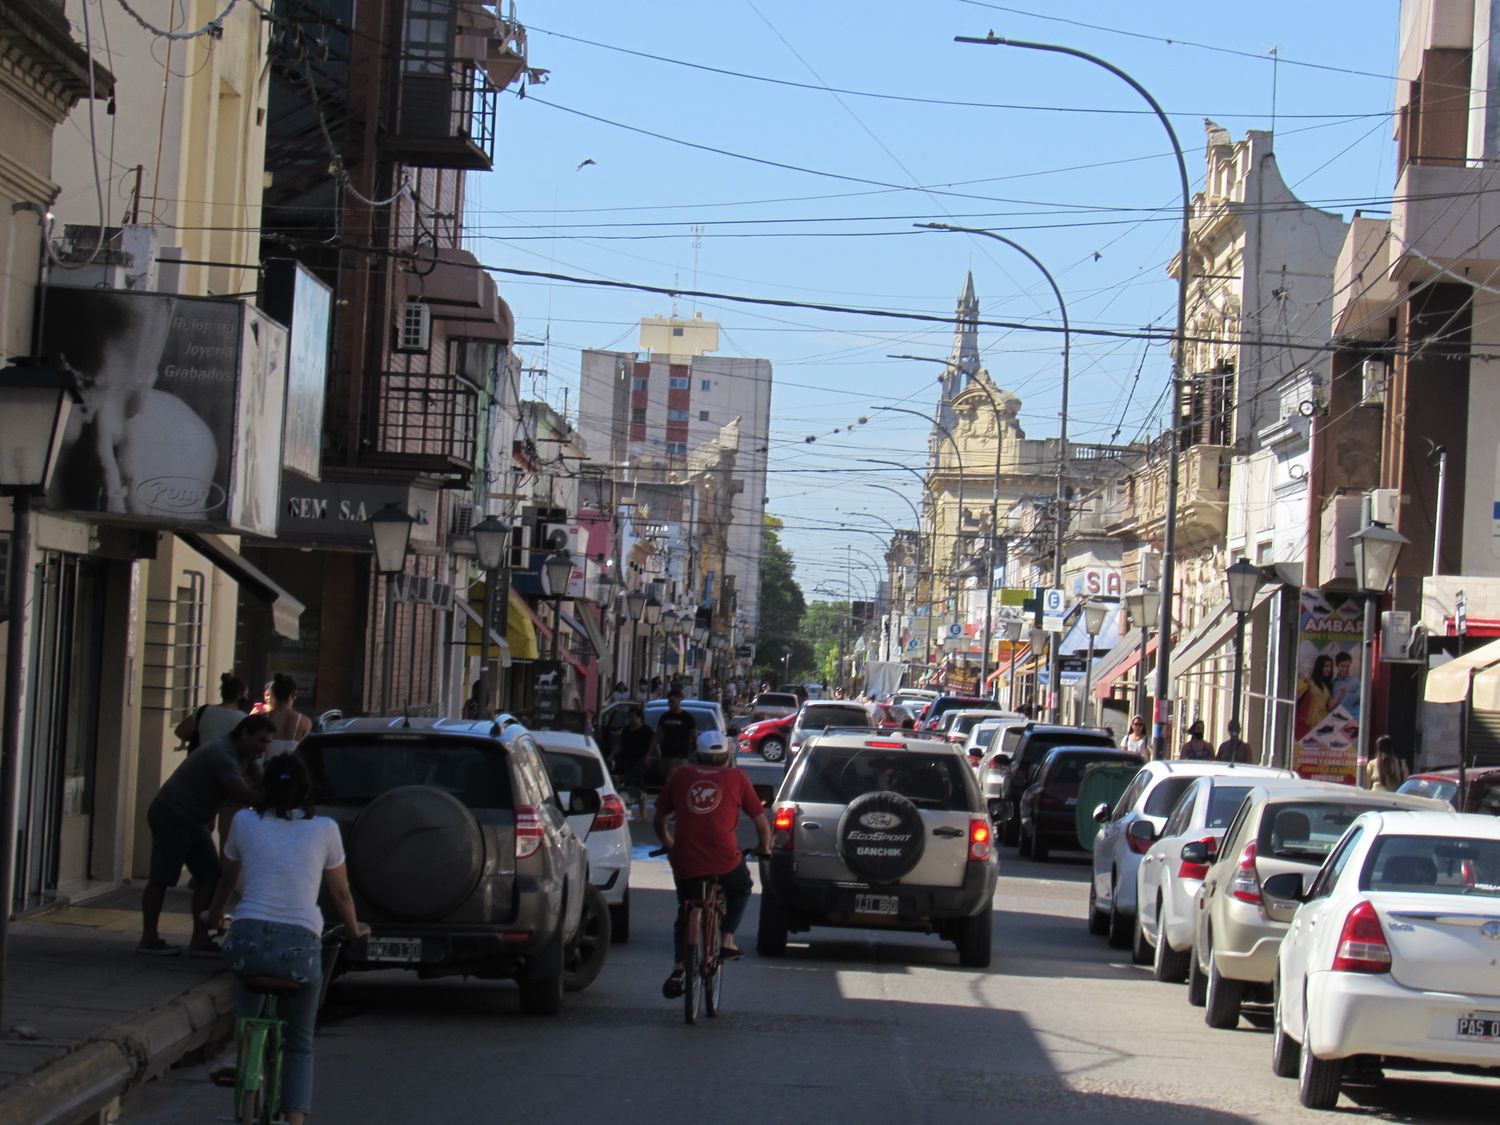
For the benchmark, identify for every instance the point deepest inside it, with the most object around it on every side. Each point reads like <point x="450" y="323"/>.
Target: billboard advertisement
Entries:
<point x="164" y="382"/>
<point x="295" y="296"/>
<point x="1325" y="729"/>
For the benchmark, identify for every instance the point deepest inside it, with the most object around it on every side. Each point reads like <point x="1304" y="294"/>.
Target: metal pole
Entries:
<point x="1140" y="673"/>
<point x="1239" y="673"/>
<point x="556" y="625"/>
<point x="1013" y="645"/>
<point x="1159" y="732"/>
<point x="1367" y="676"/>
<point x="1437" y="523"/>
<point x="1088" y="684"/>
<point x="487" y="674"/>
<point x="17" y="586"/>
<point x="502" y="677"/>
<point x="388" y="656"/>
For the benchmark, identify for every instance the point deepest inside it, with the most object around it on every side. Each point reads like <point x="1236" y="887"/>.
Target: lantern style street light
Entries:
<point x="557" y="571"/>
<point x="491" y="538"/>
<point x="390" y="535"/>
<point x="1013" y="628"/>
<point x="1038" y="640"/>
<point x="635" y="609"/>
<point x="1095" y="614"/>
<point x="652" y="618"/>
<point x="1376" y="549"/>
<point x="35" y="405"/>
<point x="1243" y="580"/>
<point x="1144" y="604"/>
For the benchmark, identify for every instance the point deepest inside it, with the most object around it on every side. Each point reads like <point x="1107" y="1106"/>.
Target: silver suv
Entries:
<point x="879" y="831"/>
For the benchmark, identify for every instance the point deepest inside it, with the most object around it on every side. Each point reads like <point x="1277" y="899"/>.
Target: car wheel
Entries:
<point x="1140" y="948"/>
<point x="619" y="920"/>
<point x="1098" y="920"/>
<point x="1120" y="925"/>
<point x="1024" y="843"/>
<point x="1197" y="982"/>
<point x="771" y="927"/>
<point x="773" y="750"/>
<point x="1039" y="847"/>
<point x="976" y="939"/>
<point x="584" y="958"/>
<point x="1318" y="1080"/>
<point x="1010" y="830"/>
<point x="1286" y="1055"/>
<point x="1222" y="998"/>
<point x="1167" y="964"/>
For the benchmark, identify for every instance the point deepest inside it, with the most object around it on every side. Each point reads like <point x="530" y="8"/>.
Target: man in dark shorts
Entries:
<point x="676" y="734"/>
<point x="181" y="817"/>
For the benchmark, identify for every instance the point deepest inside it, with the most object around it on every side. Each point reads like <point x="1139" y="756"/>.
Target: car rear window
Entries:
<point x="775" y="699"/>
<point x="983" y="736"/>
<point x="965" y="723"/>
<point x="1223" y="803"/>
<point x="1305" y="830"/>
<point x="837" y="775"/>
<point x="1164" y="797"/>
<point x="1039" y="744"/>
<point x="1068" y="769"/>
<point x="706" y="719"/>
<point x="358" y="771"/>
<point x="819" y="716"/>
<point x="1434" y="787"/>
<point x="573" y="771"/>
<point x="1441" y="865"/>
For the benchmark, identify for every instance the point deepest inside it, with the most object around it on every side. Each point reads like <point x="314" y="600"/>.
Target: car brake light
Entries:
<point x="611" y="813"/>
<point x="996" y="765"/>
<point x="528" y="831"/>
<point x="882" y="745"/>
<point x="781" y="827"/>
<point x="979" y="839"/>
<point x="1187" y="870"/>
<point x="1245" y="885"/>
<point x="1362" y="946"/>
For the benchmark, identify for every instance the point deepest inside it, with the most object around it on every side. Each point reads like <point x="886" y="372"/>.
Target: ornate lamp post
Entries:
<point x="1038" y="639"/>
<point x="652" y="618"/>
<point x="390" y="532"/>
<point x="557" y="571"/>
<point x="635" y="609"/>
<point x="1144" y="604"/>
<point x="1376" y="549"/>
<point x="1094" y="616"/>
<point x="491" y="538"/>
<point x="1243" y="580"/>
<point x="1013" y="635"/>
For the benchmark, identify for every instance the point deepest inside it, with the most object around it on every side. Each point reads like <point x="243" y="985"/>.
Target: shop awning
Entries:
<point x="1119" y="660"/>
<point x="1450" y="682"/>
<point x="286" y="611"/>
<point x="1210" y="633"/>
<point x="495" y="638"/>
<point x="519" y="630"/>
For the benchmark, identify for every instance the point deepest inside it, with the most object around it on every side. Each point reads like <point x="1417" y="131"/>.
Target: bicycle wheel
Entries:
<point x="692" y="972"/>
<point x="713" y="977"/>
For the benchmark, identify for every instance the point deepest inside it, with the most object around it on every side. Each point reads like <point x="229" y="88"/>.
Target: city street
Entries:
<point x="855" y="1027"/>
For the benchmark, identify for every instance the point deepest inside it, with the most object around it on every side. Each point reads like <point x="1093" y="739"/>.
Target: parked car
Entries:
<point x="1126" y="833"/>
<point x="799" y="690"/>
<point x="1391" y="954"/>
<point x="573" y="762"/>
<point x="873" y="831"/>
<point x="1048" y="807"/>
<point x="1278" y="829"/>
<point x="817" y="715"/>
<point x="945" y="703"/>
<point x="462" y="858"/>
<point x="1481" y="788"/>
<point x="1027" y="746"/>
<point x="768" y="738"/>
<point x="913" y="699"/>
<point x="987" y="733"/>
<point x="962" y="721"/>
<point x="773" y="705"/>
<point x="1173" y="868"/>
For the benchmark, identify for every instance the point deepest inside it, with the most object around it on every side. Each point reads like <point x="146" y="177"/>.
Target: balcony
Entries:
<point x="446" y="118"/>
<point x="1363" y="293"/>
<point x="1445" y="217"/>
<point x="424" y="424"/>
<point x="1202" y="498"/>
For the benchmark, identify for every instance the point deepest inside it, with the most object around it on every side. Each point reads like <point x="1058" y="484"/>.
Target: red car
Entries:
<point x="768" y="738"/>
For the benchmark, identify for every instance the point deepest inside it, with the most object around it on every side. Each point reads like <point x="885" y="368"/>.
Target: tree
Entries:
<point x="825" y="626"/>
<point x="781" y="609"/>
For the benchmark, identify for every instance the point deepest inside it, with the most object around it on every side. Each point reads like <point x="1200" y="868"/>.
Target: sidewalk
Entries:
<point x="86" y="1017"/>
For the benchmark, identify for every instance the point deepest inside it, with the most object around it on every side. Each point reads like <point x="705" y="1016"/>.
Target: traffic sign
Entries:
<point x="955" y="629"/>
<point x="1054" y="609"/>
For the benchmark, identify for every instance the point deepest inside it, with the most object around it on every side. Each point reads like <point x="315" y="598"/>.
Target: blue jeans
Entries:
<point x="275" y="949"/>
<point x="735" y="888"/>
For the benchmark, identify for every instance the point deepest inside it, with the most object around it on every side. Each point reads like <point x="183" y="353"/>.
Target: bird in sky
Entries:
<point x="584" y="164"/>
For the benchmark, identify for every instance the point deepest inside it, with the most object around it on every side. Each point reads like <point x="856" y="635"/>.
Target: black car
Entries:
<point x="943" y="703"/>
<point x="461" y="858"/>
<point x="1049" y="807"/>
<point x="1028" y="748"/>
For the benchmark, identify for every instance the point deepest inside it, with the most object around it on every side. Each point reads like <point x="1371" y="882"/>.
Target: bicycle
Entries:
<point x="702" y="960"/>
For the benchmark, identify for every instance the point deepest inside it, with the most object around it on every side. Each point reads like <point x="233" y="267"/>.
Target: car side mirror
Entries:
<point x="1101" y="813"/>
<point x="1195" y="852"/>
<point x="1281" y="895"/>
<point x="733" y="730"/>
<point x="584" y="801"/>
<point x="1142" y="830"/>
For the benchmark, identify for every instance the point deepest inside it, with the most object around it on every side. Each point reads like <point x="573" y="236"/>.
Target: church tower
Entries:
<point x="963" y="364"/>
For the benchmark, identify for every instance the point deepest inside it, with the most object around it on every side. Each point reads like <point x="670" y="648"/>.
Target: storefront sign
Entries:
<point x="334" y="512"/>
<point x="294" y="296"/>
<point x="1325" y="731"/>
<point x="961" y="681"/>
<point x="546" y="686"/>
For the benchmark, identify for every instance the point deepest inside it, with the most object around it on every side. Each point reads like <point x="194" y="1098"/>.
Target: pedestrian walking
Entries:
<point x="1196" y="748"/>
<point x="1135" y="740"/>
<point x="181" y="818"/>
<point x="1234" y="748"/>
<point x="1385" y="770"/>
<point x="214" y="719"/>
<point x="292" y="725"/>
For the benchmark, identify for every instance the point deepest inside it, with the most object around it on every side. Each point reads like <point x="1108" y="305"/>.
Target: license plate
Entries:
<point x="393" y="949"/>
<point x="1070" y="803"/>
<point x="1479" y="1025"/>
<point x="876" y="904"/>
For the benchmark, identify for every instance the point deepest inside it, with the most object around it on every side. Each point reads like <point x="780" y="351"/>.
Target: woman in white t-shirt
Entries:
<point x="281" y="854"/>
<point x="1135" y="741"/>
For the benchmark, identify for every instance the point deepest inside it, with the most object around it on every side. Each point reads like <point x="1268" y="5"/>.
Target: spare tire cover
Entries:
<point x="416" y="852"/>
<point x="881" y="836"/>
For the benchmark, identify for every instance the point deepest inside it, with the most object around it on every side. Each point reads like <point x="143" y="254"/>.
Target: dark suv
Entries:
<point x="1028" y="748"/>
<point x="876" y="831"/>
<point x="460" y="854"/>
<point x="1049" y="807"/>
<point x="943" y="703"/>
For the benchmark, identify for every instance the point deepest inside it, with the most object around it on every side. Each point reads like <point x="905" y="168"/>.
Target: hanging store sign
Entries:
<point x="295" y="296"/>
<point x="338" y="513"/>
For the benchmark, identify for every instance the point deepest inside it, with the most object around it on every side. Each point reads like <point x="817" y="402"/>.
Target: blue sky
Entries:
<point x="1092" y="193"/>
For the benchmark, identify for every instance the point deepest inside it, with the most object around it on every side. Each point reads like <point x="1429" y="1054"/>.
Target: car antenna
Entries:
<point x="406" y="714"/>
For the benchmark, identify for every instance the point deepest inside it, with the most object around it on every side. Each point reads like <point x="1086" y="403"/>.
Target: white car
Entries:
<point x="1172" y="870"/>
<point x="574" y="762"/>
<point x="985" y="735"/>
<point x="960" y="723"/>
<point x="1393" y="952"/>
<point x="1126" y="833"/>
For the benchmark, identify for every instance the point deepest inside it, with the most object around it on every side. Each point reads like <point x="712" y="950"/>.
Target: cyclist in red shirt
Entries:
<point x="707" y="799"/>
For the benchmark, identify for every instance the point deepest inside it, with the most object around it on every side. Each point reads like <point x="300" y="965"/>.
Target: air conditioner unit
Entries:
<point x="415" y="331"/>
<point x="463" y="518"/>
<point x="1374" y="375"/>
<point x="1384" y="506"/>
<point x="560" y="537"/>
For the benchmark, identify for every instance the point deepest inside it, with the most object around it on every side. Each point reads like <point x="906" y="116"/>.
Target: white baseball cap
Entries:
<point x="712" y="744"/>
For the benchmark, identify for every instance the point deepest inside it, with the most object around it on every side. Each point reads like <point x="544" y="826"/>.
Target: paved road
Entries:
<point x="853" y="1026"/>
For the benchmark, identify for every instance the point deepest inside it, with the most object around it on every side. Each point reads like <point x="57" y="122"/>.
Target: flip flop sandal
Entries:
<point x="672" y="988"/>
<point x="731" y="952"/>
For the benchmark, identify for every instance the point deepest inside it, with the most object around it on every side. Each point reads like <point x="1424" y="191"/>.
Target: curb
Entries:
<point x="80" y="1084"/>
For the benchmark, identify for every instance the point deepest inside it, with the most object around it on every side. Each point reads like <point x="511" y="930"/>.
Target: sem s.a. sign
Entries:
<point x="335" y="512"/>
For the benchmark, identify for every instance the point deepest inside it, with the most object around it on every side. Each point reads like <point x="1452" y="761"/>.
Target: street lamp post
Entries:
<point x="1243" y="580"/>
<point x="635" y="609"/>
<point x="1159" y="733"/>
<point x="390" y="532"/>
<point x="652" y="618"/>
<point x="491" y="540"/>
<point x="1094" y="616"/>
<point x="557" y="569"/>
<point x="35" y="404"/>
<point x="1038" y="641"/>
<point x="1013" y="635"/>
<point x="1376" y="549"/>
<point x="1143" y="602"/>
